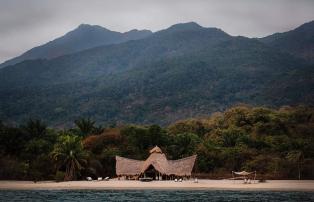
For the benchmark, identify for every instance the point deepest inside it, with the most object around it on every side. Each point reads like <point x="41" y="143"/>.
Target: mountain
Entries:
<point x="180" y="72"/>
<point x="299" y="42"/>
<point x="83" y="37"/>
<point x="106" y="60"/>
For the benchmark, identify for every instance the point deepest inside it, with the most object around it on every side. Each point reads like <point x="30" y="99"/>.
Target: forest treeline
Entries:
<point x="277" y="143"/>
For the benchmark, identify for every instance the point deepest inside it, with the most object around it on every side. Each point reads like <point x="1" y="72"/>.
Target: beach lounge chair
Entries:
<point x="99" y="178"/>
<point x="195" y="180"/>
<point x="106" y="179"/>
<point x="249" y="181"/>
<point x="176" y="180"/>
<point x="89" y="179"/>
<point x="245" y="181"/>
<point x="180" y="180"/>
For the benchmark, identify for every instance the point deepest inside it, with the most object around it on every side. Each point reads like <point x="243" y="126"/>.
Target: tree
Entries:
<point x="230" y="137"/>
<point x="188" y="126"/>
<point x="35" y="128"/>
<point x="12" y="140"/>
<point x="85" y="126"/>
<point x="157" y="135"/>
<point x="138" y="137"/>
<point x="97" y="130"/>
<point x="298" y="158"/>
<point x="185" y="144"/>
<point x="69" y="154"/>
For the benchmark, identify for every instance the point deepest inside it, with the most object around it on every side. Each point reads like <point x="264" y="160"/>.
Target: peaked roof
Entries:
<point x="156" y="149"/>
<point x="157" y="159"/>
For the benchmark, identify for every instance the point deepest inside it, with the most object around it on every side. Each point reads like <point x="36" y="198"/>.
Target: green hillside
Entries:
<point x="181" y="72"/>
<point x="298" y="42"/>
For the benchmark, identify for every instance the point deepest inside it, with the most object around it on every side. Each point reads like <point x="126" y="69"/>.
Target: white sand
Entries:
<point x="275" y="185"/>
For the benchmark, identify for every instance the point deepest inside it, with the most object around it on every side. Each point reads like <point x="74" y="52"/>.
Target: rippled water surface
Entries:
<point x="152" y="195"/>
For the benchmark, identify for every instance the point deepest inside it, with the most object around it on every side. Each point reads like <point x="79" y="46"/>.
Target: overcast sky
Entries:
<point x="28" y="23"/>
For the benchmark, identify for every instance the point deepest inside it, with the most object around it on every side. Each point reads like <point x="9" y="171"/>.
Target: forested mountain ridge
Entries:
<point x="83" y="37"/>
<point x="299" y="42"/>
<point x="180" y="72"/>
<point x="104" y="60"/>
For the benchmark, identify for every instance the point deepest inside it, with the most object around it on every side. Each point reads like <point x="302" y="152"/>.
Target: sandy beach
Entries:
<point x="273" y="185"/>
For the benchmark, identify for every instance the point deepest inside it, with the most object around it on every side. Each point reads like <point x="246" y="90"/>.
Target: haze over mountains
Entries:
<point x="143" y="77"/>
<point x="83" y="37"/>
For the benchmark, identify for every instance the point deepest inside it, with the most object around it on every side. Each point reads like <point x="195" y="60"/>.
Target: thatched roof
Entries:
<point x="156" y="149"/>
<point x="157" y="159"/>
<point x="125" y="166"/>
<point x="183" y="166"/>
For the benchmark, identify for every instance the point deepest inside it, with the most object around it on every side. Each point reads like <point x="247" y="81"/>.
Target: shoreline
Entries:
<point x="270" y="185"/>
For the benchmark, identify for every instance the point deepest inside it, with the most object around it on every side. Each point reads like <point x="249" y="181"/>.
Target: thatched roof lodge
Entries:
<point x="156" y="166"/>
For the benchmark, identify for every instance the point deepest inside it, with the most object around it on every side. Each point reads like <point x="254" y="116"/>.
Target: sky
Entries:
<point x="25" y="24"/>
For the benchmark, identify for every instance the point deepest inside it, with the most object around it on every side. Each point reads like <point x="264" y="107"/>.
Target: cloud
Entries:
<point x="25" y="24"/>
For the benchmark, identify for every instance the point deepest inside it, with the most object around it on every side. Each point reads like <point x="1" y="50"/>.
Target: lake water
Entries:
<point x="152" y="195"/>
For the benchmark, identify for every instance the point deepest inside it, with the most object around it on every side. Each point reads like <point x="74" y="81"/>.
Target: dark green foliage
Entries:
<point x="69" y="156"/>
<point x="12" y="140"/>
<point x="298" y="42"/>
<point x="269" y="141"/>
<point x="85" y="126"/>
<point x="35" y="128"/>
<point x="13" y="168"/>
<point x="278" y="144"/>
<point x="59" y="176"/>
<point x="182" y="145"/>
<point x="144" y="138"/>
<point x="26" y="149"/>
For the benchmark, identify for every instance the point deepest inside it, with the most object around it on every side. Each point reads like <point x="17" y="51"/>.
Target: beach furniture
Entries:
<point x="244" y="175"/>
<point x="99" y="178"/>
<point x="180" y="180"/>
<point x="195" y="180"/>
<point x="146" y="179"/>
<point x="106" y="179"/>
<point x="89" y="179"/>
<point x="176" y="180"/>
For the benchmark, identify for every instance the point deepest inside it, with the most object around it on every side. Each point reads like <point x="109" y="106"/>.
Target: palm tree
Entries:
<point x="70" y="155"/>
<point x="85" y="126"/>
<point x="98" y="130"/>
<point x="35" y="128"/>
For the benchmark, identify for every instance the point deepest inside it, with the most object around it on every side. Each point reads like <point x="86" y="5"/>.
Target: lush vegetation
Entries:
<point x="278" y="144"/>
<point x="183" y="71"/>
